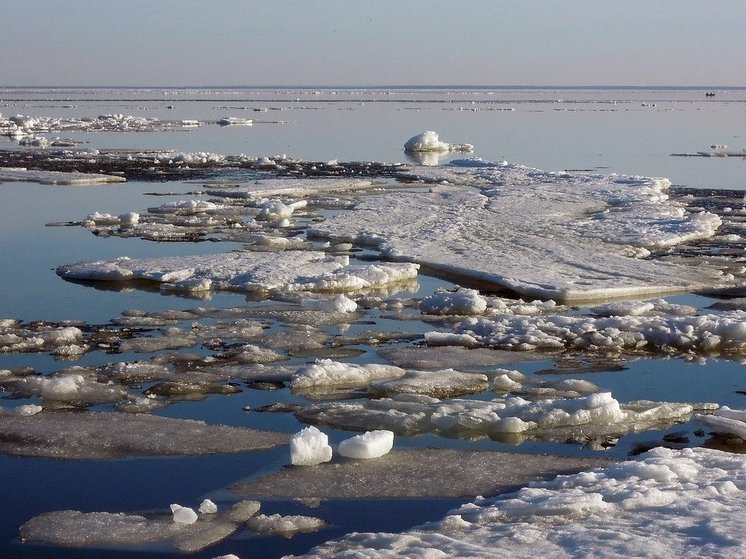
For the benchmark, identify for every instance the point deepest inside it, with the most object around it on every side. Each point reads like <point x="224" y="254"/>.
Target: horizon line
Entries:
<point x="380" y="86"/>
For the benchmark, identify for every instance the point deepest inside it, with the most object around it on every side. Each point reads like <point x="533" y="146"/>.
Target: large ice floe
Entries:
<point x="246" y="271"/>
<point x="563" y="236"/>
<point x="685" y="503"/>
<point x="104" y="435"/>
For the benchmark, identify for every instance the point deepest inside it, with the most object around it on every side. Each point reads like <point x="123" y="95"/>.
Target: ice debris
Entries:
<point x="372" y="444"/>
<point x="462" y="301"/>
<point x="726" y="420"/>
<point x="325" y="373"/>
<point x="309" y="447"/>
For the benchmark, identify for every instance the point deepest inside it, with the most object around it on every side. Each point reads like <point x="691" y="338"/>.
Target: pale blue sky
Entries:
<point x="378" y="42"/>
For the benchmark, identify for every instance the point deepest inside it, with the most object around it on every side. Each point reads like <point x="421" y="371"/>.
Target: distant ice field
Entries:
<point x="615" y="130"/>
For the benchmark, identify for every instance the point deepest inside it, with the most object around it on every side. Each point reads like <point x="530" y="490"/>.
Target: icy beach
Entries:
<point x="246" y="355"/>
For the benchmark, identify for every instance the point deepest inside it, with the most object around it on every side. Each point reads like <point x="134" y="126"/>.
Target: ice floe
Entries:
<point x="559" y="236"/>
<point x="103" y="435"/>
<point x="462" y="301"/>
<point x="286" y="526"/>
<point x="325" y="373"/>
<point x="685" y="503"/>
<point x="414" y="473"/>
<point x="246" y="271"/>
<point x="183" y="529"/>
<point x="726" y="420"/>
<point x="56" y="177"/>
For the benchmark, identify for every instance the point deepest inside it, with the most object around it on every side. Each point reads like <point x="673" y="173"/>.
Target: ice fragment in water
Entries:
<point x="286" y="526"/>
<point x="309" y="447"/>
<point x="463" y="301"/>
<point x="371" y="444"/>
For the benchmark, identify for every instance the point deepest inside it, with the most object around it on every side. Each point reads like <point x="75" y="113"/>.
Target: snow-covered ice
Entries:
<point x="56" y="177"/>
<point x="561" y="236"/>
<point x="247" y="271"/>
<point x="372" y="444"/>
<point x="183" y="515"/>
<point x="286" y="526"/>
<point x="325" y="373"/>
<point x="668" y="503"/>
<point x="309" y="447"/>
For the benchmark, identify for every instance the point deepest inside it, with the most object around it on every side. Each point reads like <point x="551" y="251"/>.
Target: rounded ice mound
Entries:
<point x="309" y="447"/>
<point x="428" y="142"/>
<point x="371" y="444"/>
<point x="183" y="515"/>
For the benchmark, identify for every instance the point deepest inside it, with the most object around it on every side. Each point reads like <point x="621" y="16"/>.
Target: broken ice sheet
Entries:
<point x="56" y="177"/>
<point x="246" y="271"/>
<point x="104" y="435"/>
<point x="412" y="473"/>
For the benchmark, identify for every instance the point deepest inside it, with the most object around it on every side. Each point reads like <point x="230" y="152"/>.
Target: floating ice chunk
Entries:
<point x="229" y="556"/>
<point x="726" y="420"/>
<point x="73" y="389"/>
<point x="208" y="507"/>
<point x="328" y="373"/>
<point x="705" y="333"/>
<point x="309" y="447"/>
<point x="371" y="444"/>
<point x="286" y="526"/>
<point x="428" y="141"/>
<point x="341" y="303"/>
<point x="463" y="301"/>
<point x="56" y="177"/>
<point x="446" y="383"/>
<point x="248" y="271"/>
<point x="276" y="210"/>
<point x="183" y="515"/>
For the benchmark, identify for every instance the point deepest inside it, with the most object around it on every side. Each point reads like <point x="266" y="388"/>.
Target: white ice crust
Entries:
<point x="371" y="444"/>
<point x="687" y="503"/>
<point x="246" y="271"/>
<point x="462" y="301"/>
<point x="309" y="447"/>
<point x="560" y="236"/>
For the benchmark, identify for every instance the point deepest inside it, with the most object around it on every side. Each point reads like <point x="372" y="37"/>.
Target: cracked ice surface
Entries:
<point x="685" y="503"/>
<point x="245" y="271"/>
<point x="568" y="237"/>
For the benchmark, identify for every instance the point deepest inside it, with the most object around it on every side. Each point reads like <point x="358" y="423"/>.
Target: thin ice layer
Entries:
<point x="559" y="236"/>
<point x="102" y="435"/>
<point x="245" y="271"/>
<point x="686" y="503"/>
<point x="10" y="174"/>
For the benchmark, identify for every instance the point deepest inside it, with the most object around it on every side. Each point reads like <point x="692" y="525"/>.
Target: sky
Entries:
<point x="375" y="42"/>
